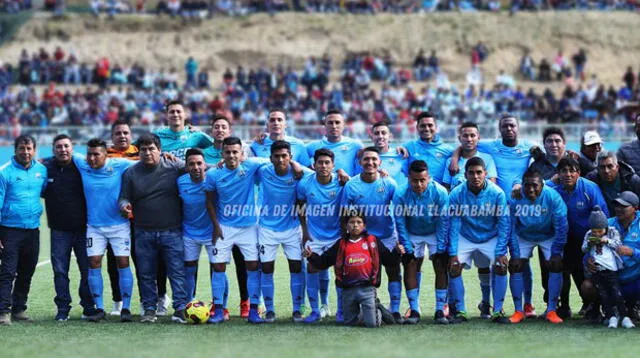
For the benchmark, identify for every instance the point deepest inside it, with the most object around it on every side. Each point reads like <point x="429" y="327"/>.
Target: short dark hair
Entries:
<point x="24" y="139"/>
<point x="568" y="162"/>
<point x="119" y="122"/>
<point x="193" y="151"/>
<point x="506" y="115"/>
<point x="220" y="117"/>
<point x="474" y="162"/>
<point x="380" y="124"/>
<point x="278" y="109"/>
<point x="280" y="144"/>
<point x="418" y="166"/>
<point x="532" y="173"/>
<point x="324" y="152"/>
<point x="468" y="125"/>
<point x="553" y="130"/>
<point x="61" y="137"/>
<point x="96" y="143"/>
<point x="148" y="139"/>
<point x="371" y="149"/>
<point x="173" y="102"/>
<point x="231" y="141"/>
<point x="330" y="113"/>
<point x="425" y="114"/>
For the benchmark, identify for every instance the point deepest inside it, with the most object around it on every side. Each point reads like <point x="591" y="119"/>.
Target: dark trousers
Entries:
<point x="17" y="264"/>
<point x="62" y="243"/>
<point x="572" y="268"/>
<point x="608" y="287"/>
<point x="241" y="273"/>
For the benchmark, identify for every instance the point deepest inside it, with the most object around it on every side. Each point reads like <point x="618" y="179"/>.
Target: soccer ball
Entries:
<point x="197" y="312"/>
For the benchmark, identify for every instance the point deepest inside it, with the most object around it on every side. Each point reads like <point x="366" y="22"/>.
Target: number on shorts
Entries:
<point x="89" y="242"/>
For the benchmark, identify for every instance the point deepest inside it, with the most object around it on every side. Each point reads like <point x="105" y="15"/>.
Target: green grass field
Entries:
<point x="477" y="338"/>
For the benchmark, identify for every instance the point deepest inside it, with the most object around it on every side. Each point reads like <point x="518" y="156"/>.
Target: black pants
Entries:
<point x="572" y="268"/>
<point x="18" y="262"/>
<point x="608" y="287"/>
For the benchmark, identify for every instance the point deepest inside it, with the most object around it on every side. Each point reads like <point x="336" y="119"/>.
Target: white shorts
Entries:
<point x="246" y="238"/>
<point x="320" y="247"/>
<point x="390" y="242"/>
<point x="118" y="236"/>
<point x="193" y="247"/>
<point x="423" y="242"/>
<point x="482" y="254"/>
<point x="526" y="248"/>
<point x="269" y="241"/>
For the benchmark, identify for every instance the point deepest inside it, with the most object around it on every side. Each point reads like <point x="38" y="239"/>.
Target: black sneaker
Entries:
<point x="125" y="315"/>
<point x="440" y="318"/>
<point x="414" y="318"/>
<point x="460" y="317"/>
<point x="564" y="312"/>
<point x="387" y="316"/>
<point x="485" y="310"/>
<point x="179" y="317"/>
<point x="397" y="318"/>
<point x="62" y="316"/>
<point x="98" y="316"/>
<point x="593" y="314"/>
<point x="297" y="317"/>
<point x="499" y="317"/>
<point x="149" y="316"/>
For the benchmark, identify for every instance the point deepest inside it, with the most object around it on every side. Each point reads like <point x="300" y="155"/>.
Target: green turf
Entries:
<point x="476" y="339"/>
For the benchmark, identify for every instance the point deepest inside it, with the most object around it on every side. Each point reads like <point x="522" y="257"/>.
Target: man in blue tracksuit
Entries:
<point x="580" y="195"/>
<point x="22" y="181"/>
<point x="479" y="227"/>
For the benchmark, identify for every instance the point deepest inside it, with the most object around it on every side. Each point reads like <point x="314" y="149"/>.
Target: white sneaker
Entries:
<point x="325" y="311"/>
<point x="117" y="307"/>
<point x="163" y="306"/>
<point x="626" y="323"/>
<point x="613" y="322"/>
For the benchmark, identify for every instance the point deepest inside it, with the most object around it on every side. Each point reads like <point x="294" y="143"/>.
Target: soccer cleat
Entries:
<point x="313" y="317"/>
<point x="499" y="317"/>
<point x="440" y="318"/>
<point x="397" y="318"/>
<point x="62" y="317"/>
<point x="244" y="309"/>
<point x="325" y="311"/>
<point x="553" y="317"/>
<point x="5" y="319"/>
<point x="254" y="317"/>
<point x="445" y="310"/>
<point x="226" y="315"/>
<point x="407" y="313"/>
<point x="460" y="317"/>
<point x="530" y="311"/>
<point x="339" y="317"/>
<point x="269" y="317"/>
<point x="149" y="316"/>
<point x="414" y="317"/>
<point x="297" y="317"/>
<point x="117" y="308"/>
<point x="626" y="323"/>
<point x="387" y="317"/>
<point x="485" y="310"/>
<point x="97" y="316"/>
<point x="564" y="312"/>
<point x="517" y="317"/>
<point x="613" y="322"/>
<point x="125" y="315"/>
<point x="179" y="316"/>
<point x="217" y="317"/>
<point x="21" y="316"/>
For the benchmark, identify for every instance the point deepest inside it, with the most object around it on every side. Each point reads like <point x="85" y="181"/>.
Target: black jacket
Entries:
<point x="64" y="197"/>
<point x="629" y="181"/>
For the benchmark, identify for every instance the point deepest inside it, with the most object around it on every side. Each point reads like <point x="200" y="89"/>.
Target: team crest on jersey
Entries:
<point x="380" y="189"/>
<point x="391" y="161"/>
<point x="634" y="235"/>
<point x="183" y="138"/>
<point x="344" y="148"/>
<point x="332" y="194"/>
<point x="38" y="175"/>
<point x="109" y="170"/>
<point x="373" y="245"/>
<point x="438" y="155"/>
<point x="365" y="246"/>
<point x="242" y="173"/>
<point x="290" y="181"/>
<point x="580" y="205"/>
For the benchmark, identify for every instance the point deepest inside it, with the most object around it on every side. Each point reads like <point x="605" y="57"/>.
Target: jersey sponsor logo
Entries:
<point x="356" y="259"/>
<point x="580" y="205"/>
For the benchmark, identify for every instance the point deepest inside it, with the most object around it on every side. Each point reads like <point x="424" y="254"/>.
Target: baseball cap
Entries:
<point x="591" y="137"/>
<point x="627" y="198"/>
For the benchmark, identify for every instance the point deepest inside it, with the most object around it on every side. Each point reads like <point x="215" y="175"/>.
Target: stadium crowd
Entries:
<point x="162" y="198"/>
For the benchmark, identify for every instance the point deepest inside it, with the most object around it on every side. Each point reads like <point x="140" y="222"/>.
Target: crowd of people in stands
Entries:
<point x="15" y="6"/>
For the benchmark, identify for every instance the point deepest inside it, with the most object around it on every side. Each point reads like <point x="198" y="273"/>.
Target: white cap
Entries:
<point x="591" y="137"/>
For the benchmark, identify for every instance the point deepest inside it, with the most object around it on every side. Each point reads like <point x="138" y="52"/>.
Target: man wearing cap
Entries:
<point x="590" y="146"/>
<point x="613" y="177"/>
<point x="630" y="152"/>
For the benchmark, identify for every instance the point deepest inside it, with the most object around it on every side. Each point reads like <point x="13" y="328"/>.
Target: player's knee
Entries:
<point x="554" y="265"/>
<point x="295" y="266"/>
<point x="588" y="289"/>
<point x="95" y="262"/>
<point x="190" y="263"/>
<point x="219" y="267"/>
<point x="515" y="265"/>
<point x="500" y="270"/>
<point x="484" y="270"/>
<point x="455" y="271"/>
<point x="267" y="267"/>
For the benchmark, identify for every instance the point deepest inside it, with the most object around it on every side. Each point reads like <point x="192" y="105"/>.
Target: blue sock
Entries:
<point x="126" y="286"/>
<point x="395" y="294"/>
<point x="303" y="283"/>
<point x="450" y="294"/>
<point x="499" y="291"/>
<point x="528" y="282"/>
<point x="456" y="297"/>
<point x="297" y="287"/>
<point x="312" y="291"/>
<point x="324" y="286"/>
<point x="516" y="285"/>
<point x="96" y="286"/>
<point x="218" y="286"/>
<point x="412" y="296"/>
<point x="485" y="286"/>
<point x="266" y="284"/>
<point x="190" y="280"/>
<point x="441" y="299"/>
<point x="555" y="285"/>
<point x="253" y="287"/>
<point x="419" y="279"/>
<point x="339" y="298"/>
<point x="225" y="297"/>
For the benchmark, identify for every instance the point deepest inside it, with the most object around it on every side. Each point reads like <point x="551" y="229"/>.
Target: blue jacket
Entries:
<point x="20" y="191"/>
<point x="631" y="238"/>
<point x="420" y="214"/>
<point x="540" y="220"/>
<point x="479" y="218"/>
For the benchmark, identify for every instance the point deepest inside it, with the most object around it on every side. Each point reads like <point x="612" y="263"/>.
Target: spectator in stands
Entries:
<point x="579" y="61"/>
<point x="544" y="71"/>
<point x="629" y="78"/>
<point x="191" y="69"/>
<point x="433" y="62"/>
<point x="527" y="67"/>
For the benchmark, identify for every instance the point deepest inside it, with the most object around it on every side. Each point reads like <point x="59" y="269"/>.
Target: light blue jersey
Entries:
<point x="511" y="162"/>
<point x="479" y="218"/>
<point x="454" y="181"/>
<point x="420" y="214"/>
<point x="196" y="223"/>
<point x="277" y="199"/>
<point x="395" y="165"/>
<point x="298" y="150"/>
<point x="539" y="220"/>
<point x="235" y="189"/>
<point x="345" y="151"/>
<point x="102" y="189"/>
<point x="375" y="200"/>
<point x="434" y="153"/>
<point x="322" y="206"/>
<point x="177" y="143"/>
<point x="631" y="238"/>
<point x="212" y="155"/>
<point x="20" y="191"/>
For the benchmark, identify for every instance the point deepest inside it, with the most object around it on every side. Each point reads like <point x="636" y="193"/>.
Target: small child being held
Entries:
<point x="601" y="243"/>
